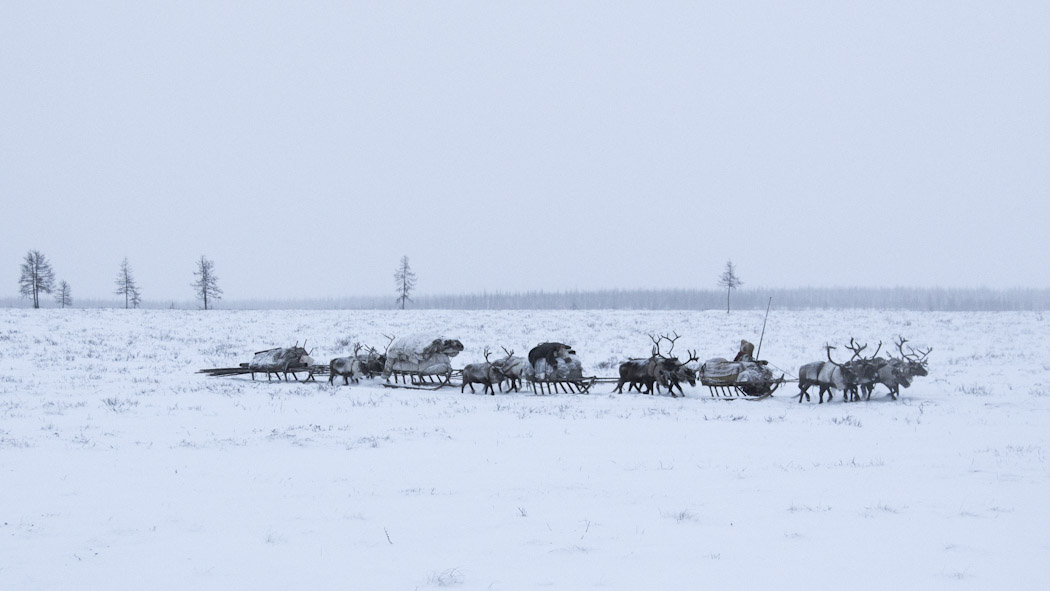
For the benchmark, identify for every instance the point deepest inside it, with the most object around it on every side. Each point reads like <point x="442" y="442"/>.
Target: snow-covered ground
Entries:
<point x="121" y="468"/>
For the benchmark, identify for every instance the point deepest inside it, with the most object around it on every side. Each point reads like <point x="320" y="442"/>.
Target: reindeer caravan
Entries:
<point x="424" y="361"/>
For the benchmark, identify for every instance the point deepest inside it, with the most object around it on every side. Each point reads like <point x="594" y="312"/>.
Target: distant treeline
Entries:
<point x="948" y="299"/>
<point x="752" y="299"/>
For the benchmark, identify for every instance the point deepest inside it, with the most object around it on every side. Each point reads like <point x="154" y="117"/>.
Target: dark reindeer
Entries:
<point x="678" y="371"/>
<point x="373" y="362"/>
<point x="864" y="368"/>
<point x="658" y="370"/>
<point x="485" y="373"/>
<point x="642" y="372"/>
<point x="683" y="373"/>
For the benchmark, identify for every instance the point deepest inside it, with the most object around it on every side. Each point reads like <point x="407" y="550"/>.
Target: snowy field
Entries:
<point x="122" y="468"/>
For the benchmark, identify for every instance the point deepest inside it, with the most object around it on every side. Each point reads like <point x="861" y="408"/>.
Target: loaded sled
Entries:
<point x="738" y="379"/>
<point x="275" y="362"/>
<point x="421" y="362"/>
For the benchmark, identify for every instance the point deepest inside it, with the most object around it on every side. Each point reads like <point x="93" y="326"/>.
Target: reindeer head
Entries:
<point x="865" y="369"/>
<point x="684" y="371"/>
<point x="914" y="362"/>
<point x="301" y="354"/>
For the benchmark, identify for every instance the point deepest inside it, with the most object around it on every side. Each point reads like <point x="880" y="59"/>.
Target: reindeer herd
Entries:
<point x="861" y="374"/>
<point x="556" y="362"/>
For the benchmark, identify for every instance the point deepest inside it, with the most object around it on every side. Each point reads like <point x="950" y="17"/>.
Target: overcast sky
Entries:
<point x="306" y="146"/>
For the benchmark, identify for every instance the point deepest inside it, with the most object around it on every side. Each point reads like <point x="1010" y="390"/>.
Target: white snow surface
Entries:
<point x="122" y="468"/>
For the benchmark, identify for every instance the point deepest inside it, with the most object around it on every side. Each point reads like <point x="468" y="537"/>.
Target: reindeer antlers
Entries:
<point x="509" y="353"/>
<point x="656" y="344"/>
<point x="916" y="356"/>
<point x="923" y="354"/>
<point x="900" y="346"/>
<point x="829" y="348"/>
<point x="857" y="348"/>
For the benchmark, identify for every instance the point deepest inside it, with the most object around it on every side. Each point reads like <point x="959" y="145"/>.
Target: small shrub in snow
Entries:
<point x="119" y="404"/>
<point x="974" y="390"/>
<point x="680" y="516"/>
<point x="446" y="578"/>
<point x="846" y="420"/>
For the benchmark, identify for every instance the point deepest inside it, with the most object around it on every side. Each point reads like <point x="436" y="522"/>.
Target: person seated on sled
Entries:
<point x="747" y="350"/>
<point x="746" y="354"/>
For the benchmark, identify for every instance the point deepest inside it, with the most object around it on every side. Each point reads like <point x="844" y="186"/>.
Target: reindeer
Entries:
<point x="896" y="372"/>
<point x="347" y="367"/>
<point x="828" y="375"/>
<point x="683" y="371"/>
<point x="512" y="368"/>
<point x="865" y="368"/>
<point x="658" y="370"/>
<point x="482" y="373"/>
<point x="643" y="372"/>
<point x="373" y="362"/>
<point x="677" y="370"/>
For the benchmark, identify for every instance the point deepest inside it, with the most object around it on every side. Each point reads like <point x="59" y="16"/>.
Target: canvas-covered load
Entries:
<point x="565" y="370"/>
<point x="722" y="372"/>
<point x="424" y="354"/>
<point x="281" y="358"/>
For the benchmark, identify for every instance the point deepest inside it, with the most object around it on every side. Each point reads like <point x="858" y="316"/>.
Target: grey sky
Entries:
<point x="306" y="146"/>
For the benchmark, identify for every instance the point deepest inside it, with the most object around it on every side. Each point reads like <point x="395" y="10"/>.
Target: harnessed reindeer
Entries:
<point x="485" y="373"/>
<point x="896" y="372"/>
<point x="828" y="375"/>
<point x="513" y="369"/>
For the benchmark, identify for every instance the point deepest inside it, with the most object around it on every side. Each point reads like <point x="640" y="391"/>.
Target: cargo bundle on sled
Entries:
<point x="274" y="362"/>
<point x="421" y="361"/>
<point x="553" y="367"/>
<point x="728" y="379"/>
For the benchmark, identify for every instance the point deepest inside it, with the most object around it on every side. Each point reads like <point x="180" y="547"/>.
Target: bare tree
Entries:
<point x="730" y="281"/>
<point x="64" y="297"/>
<point x="127" y="287"/>
<point x="37" y="277"/>
<point x="405" y="280"/>
<point x="207" y="283"/>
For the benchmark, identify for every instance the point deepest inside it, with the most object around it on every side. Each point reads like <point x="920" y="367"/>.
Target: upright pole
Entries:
<point x="759" y="352"/>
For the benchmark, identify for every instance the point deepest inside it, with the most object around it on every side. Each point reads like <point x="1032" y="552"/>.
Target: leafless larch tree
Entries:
<point x="207" y="283"/>
<point x="405" y="280"/>
<point x="37" y="277"/>
<point x="127" y="287"/>
<point x="64" y="297"/>
<point x="730" y="281"/>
